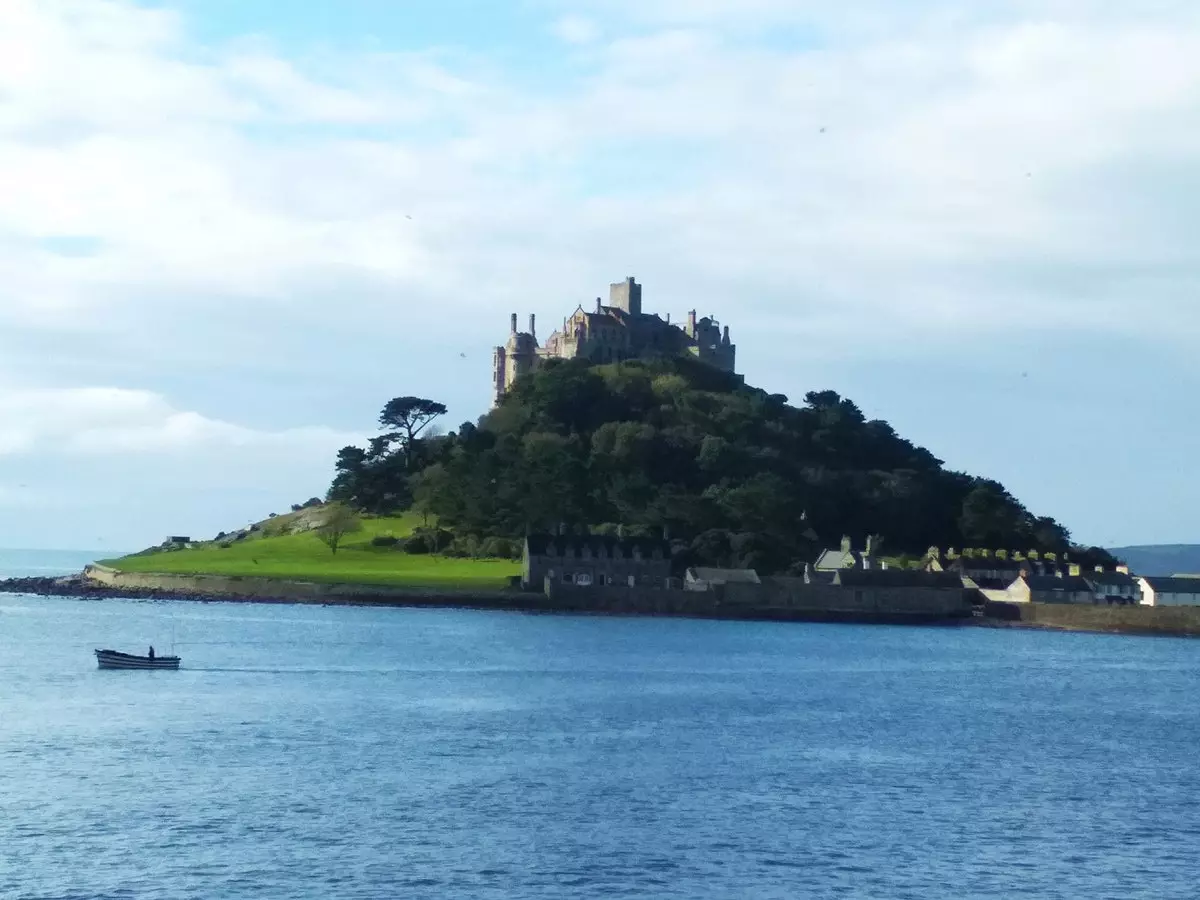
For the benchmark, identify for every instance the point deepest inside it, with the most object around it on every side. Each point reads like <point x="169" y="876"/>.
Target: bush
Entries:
<point x="385" y="540"/>
<point x="224" y="545"/>
<point x="499" y="548"/>
<point x="463" y="546"/>
<point x="417" y="544"/>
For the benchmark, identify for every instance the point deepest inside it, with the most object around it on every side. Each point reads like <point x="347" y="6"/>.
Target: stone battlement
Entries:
<point x="618" y="330"/>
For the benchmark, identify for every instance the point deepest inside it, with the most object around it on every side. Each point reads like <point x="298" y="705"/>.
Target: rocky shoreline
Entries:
<point x="82" y="588"/>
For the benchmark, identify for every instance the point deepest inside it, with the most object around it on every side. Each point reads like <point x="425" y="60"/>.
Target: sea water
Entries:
<point x="325" y="752"/>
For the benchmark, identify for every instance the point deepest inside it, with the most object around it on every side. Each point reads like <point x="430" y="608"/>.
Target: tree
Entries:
<point x="674" y="446"/>
<point x="408" y="417"/>
<point x="339" y="520"/>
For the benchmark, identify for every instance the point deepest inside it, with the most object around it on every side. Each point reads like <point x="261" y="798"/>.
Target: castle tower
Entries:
<point x="514" y="359"/>
<point x="626" y="295"/>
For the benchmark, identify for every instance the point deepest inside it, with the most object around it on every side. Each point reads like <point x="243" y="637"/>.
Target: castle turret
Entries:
<point x="626" y="295"/>
<point x="629" y="334"/>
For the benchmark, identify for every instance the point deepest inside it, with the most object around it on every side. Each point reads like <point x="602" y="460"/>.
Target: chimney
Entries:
<point x="598" y="304"/>
<point x="533" y="324"/>
<point x="514" y="323"/>
<point x="725" y="337"/>
<point x="691" y="326"/>
<point x="866" y="561"/>
<point x="845" y="544"/>
<point x="883" y="564"/>
<point x="870" y="548"/>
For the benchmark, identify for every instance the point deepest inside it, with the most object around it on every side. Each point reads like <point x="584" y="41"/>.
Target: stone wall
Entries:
<point x="619" y="598"/>
<point x="784" y="598"/>
<point x="1081" y="617"/>
<point x="795" y="594"/>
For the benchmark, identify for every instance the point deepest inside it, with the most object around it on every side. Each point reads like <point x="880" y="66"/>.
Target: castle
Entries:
<point x="611" y="333"/>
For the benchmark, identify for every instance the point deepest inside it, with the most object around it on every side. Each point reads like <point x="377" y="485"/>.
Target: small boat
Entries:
<point x="111" y="659"/>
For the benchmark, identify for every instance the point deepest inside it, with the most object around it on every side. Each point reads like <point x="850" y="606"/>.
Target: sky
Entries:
<point x="231" y="230"/>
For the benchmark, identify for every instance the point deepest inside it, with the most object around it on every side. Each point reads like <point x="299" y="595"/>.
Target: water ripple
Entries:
<point x="358" y="753"/>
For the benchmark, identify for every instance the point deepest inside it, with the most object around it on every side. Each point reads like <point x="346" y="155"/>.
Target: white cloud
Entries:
<point x="866" y="180"/>
<point x="104" y="421"/>
<point x="576" y="30"/>
<point x="967" y="167"/>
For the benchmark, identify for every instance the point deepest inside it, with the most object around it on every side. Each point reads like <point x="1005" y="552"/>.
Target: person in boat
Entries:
<point x="152" y="651"/>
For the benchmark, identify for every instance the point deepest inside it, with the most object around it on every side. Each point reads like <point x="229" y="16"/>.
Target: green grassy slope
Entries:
<point x="272" y="554"/>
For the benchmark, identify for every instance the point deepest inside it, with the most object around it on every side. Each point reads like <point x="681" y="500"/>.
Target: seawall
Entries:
<point x="98" y="581"/>
<point x="1166" y="620"/>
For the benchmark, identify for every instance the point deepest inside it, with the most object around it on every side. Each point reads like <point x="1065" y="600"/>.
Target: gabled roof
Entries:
<point x="1071" y="584"/>
<point x="1173" y="585"/>
<point x="833" y="559"/>
<point x="596" y="544"/>
<point x="989" y="564"/>
<point x="1120" y="579"/>
<point x="723" y="576"/>
<point x="896" y="578"/>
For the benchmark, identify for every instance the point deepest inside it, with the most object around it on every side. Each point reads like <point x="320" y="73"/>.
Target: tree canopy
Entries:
<point x="733" y="474"/>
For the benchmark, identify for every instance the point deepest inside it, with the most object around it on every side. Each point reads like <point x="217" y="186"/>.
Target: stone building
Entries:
<point x="1059" y="588"/>
<point x="846" y="557"/>
<point x="1176" y="591"/>
<point x="595" y="560"/>
<point x="1114" y="587"/>
<point x="608" y="333"/>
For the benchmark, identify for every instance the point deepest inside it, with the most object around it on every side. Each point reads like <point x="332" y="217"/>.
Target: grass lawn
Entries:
<point x="303" y="557"/>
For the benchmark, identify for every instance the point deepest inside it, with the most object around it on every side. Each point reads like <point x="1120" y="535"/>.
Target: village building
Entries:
<point x="618" y="330"/>
<point x="846" y="557"/>
<point x="1174" y="591"/>
<point x="1050" y="589"/>
<point x="595" y="560"/>
<point x="1117" y="587"/>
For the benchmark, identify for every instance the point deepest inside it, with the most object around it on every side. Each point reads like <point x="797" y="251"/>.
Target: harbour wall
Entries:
<point x="1176" y="620"/>
<point x="792" y="601"/>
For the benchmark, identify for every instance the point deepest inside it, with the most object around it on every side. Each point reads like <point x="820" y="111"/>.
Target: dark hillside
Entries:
<point x="736" y="475"/>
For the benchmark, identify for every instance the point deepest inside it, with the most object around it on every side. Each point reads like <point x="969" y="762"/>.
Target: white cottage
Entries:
<point x="1175" y="591"/>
